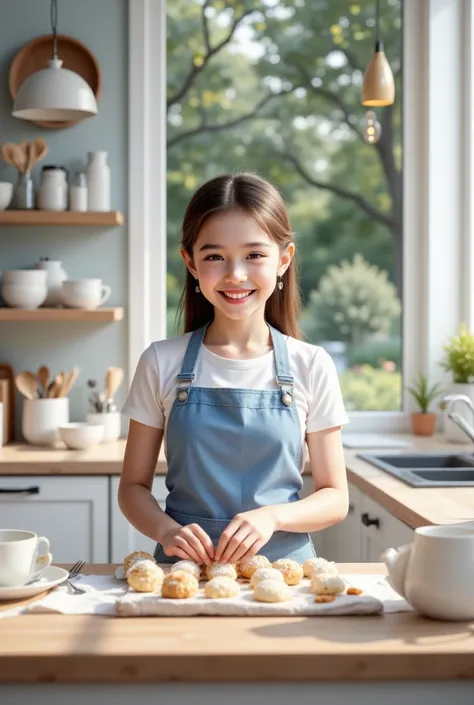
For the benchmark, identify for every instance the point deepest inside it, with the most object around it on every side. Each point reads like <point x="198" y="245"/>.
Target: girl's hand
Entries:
<point x="190" y="543"/>
<point x="245" y="535"/>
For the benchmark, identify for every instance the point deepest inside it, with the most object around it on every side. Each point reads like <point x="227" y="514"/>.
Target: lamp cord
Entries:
<point x="54" y="25"/>
<point x="378" y="38"/>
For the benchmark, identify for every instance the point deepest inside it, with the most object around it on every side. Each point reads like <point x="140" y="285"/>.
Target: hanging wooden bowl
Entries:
<point x="35" y="55"/>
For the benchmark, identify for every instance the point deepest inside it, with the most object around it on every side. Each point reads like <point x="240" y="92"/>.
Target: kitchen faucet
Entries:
<point x="449" y="402"/>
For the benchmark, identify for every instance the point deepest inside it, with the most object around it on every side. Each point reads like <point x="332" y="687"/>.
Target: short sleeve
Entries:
<point x="143" y="401"/>
<point x="326" y="406"/>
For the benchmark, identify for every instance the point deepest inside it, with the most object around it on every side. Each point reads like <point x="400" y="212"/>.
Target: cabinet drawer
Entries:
<point x="72" y="512"/>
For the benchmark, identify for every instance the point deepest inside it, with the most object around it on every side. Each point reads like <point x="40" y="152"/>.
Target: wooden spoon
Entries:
<point x="39" y="149"/>
<point x="27" y="385"/>
<point x="55" y="387"/>
<point x="70" y="381"/>
<point x="113" y="380"/>
<point x="43" y="378"/>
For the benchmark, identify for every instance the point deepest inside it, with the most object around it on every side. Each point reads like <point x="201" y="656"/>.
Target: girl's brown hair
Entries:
<point x="264" y="203"/>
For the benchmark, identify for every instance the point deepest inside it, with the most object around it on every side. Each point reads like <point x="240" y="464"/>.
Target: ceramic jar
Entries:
<point x="56" y="276"/>
<point x="52" y="192"/>
<point x="98" y="182"/>
<point x="41" y="419"/>
<point x="110" y="420"/>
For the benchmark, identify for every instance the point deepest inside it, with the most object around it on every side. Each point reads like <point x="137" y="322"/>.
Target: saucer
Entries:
<point x="52" y="576"/>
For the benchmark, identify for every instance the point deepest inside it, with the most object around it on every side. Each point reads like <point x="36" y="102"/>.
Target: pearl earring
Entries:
<point x="197" y="288"/>
<point x="280" y="284"/>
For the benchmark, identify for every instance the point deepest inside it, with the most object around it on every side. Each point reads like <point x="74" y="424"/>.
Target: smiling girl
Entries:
<point x="236" y="397"/>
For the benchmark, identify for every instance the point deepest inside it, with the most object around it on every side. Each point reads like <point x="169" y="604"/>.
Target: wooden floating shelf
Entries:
<point x="96" y="315"/>
<point x="87" y="219"/>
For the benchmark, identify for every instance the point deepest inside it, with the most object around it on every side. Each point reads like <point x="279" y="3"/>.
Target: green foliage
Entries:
<point x="376" y="351"/>
<point x="353" y="301"/>
<point x="423" y="393"/>
<point x="370" y="389"/>
<point x="460" y="356"/>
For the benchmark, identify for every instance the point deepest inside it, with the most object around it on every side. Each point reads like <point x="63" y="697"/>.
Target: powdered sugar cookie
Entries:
<point x="327" y="584"/>
<point x="266" y="574"/>
<point x="179" y="585"/>
<point x="221" y="586"/>
<point x="272" y="591"/>
<point x="318" y="565"/>
<point x="145" y="576"/>
<point x="226" y="570"/>
<point x="136" y="556"/>
<point x="248" y="568"/>
<point x="188" y="567"/>
<point x="291" y="570"/>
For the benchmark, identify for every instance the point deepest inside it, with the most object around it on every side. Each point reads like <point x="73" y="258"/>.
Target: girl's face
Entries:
<point x="236" y="263"/>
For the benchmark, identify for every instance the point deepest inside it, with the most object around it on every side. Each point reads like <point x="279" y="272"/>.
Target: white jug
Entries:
<point x="56" y="276"/>
<point x="435" y="573"/>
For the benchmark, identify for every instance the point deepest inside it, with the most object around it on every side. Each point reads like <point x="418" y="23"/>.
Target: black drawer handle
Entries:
<point x="367" y="521"/>
<point x="26" y="490"/>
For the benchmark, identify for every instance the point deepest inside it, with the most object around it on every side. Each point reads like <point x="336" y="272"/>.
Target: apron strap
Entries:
<point x="282" y="363"/>
<point x="186" y="375"/>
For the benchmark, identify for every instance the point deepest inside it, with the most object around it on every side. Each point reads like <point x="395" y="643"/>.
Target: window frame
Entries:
<point x="438" y="247"/>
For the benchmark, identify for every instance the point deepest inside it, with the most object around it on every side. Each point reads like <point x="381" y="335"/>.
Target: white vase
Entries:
<point x="56" y="276"/>
<point x="41" y="419"/>
<point x="111" y="421"/>
<point x="98" y="182"/>
<point x="452" y="432"/>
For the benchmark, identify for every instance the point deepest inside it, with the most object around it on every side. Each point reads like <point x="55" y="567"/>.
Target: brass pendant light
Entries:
<point x="378" y="88"/>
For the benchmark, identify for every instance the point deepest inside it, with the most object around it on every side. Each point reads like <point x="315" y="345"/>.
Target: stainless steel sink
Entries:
<point x="426" y="469"/>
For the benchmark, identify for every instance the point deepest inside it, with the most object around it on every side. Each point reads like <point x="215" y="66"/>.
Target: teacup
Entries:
<point x="84" y="293"/>
<point x="24" y="556"/>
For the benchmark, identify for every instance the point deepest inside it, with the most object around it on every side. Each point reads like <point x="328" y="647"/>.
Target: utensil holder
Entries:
<point x="41" y="419"/>
<point x="111" y="421"/>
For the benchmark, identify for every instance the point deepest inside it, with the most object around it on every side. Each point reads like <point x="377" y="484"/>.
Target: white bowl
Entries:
<point x="19" y="296"/>
<point x="25" y="277"/>
<point x="6" y="193"/>
<point x="81" y="435"/>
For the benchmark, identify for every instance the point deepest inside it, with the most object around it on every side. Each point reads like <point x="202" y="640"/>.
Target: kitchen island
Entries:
<point x="48" y="658"/>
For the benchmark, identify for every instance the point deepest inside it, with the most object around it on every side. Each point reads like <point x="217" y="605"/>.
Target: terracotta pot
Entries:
<point x="423" y="424"/>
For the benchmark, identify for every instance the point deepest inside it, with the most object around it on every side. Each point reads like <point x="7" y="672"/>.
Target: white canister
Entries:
<point x="111" y="421"/>
<point x="98" y="182"/>
<point x="78" y="193"/>
<point x="41" y="419"/>
<point x="52" y="192"/>
<point x="56" y="276"/>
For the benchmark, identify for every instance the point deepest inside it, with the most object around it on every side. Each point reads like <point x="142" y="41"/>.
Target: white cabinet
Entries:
<point x="380" y="530"/>
<point x="72" y="512"/>
<point x="367" y="531"/>
<point x="124" y="537"/>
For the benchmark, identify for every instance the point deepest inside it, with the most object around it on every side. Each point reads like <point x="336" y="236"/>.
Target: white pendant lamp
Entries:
<point x="54" y="94"/>
<point x="378" y="88"/>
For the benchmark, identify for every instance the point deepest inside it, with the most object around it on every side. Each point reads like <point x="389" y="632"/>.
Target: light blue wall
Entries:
<point x="102" y="26"/>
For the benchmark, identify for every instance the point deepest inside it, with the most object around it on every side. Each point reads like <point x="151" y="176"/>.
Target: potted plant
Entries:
<point x="423" y="422"/>
<point x="459" y="361"/>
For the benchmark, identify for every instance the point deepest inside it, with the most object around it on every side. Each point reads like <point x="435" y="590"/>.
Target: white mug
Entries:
<point x="24" y="556"/>
<point x="84" y="293"/>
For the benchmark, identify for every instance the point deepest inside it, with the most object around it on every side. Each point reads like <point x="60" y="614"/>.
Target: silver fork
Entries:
<point x="73" y="573"/>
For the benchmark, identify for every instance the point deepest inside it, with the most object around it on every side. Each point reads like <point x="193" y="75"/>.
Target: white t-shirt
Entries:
<point x="317" y="392"/>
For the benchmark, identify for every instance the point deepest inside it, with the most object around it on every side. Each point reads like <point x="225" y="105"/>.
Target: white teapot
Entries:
<point x="435" y="573"/>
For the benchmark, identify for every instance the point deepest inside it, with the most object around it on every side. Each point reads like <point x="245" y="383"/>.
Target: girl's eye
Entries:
<point x="256" y="255"/>
<point x="210" y="258"/>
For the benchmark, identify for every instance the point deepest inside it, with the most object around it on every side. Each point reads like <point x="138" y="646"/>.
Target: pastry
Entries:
<point x="136" y="556"/>
<point x="318" y="565"/>
<point x="327" y="584"/>
<point x="272" y="591"/>
<point x="324" y="598"/>
<point x="265" y="574"/>
<point x="291" y="570"/>
<point x="145" y="576"/>
<point x="354" y="591"/>
<point x="221" y="586"/>
<point x="248" y="568"/>
<point x="179" y="585"/>
<point x="188" y="567"/>
<point x="221" y="569"/>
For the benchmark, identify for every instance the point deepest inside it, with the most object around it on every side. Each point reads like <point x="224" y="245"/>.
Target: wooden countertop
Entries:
<point x="94" y="649"/>
<point x="415" y="507"/>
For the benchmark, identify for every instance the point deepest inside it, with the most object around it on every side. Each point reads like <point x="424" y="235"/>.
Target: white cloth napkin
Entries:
<point x="107" y="595"/>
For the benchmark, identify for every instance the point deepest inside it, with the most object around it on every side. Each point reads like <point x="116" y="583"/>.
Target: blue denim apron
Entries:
<point x="231" y="450"/>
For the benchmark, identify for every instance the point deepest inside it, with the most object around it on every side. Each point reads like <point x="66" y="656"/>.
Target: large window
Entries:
<point x="274" y="86"/>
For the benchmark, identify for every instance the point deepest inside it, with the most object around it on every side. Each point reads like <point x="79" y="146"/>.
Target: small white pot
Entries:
<point x="111" y="422"/>
<point x="41" y="419"/>
<point x="452" y="432"/>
